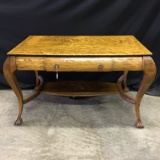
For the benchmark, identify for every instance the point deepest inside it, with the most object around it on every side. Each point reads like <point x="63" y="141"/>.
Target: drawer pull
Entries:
<point x="56" y="67"/>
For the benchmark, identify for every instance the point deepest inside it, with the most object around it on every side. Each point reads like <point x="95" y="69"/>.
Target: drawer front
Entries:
<point x="79" y="64"/>
<point x="94" y="64"/>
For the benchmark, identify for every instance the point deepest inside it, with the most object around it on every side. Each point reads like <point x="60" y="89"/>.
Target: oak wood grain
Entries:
<point x="80" y="46"/>
<point x="79" y="64"/>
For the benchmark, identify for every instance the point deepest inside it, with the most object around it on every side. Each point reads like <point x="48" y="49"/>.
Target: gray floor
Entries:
<point x="95" y="128"/>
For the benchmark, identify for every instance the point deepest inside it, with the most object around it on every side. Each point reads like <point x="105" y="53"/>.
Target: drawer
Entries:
<point x="79" y="64"/>
<point x="93" y="64"/>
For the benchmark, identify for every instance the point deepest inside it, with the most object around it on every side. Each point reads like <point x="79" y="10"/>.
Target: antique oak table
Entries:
<point x="80" y="54"/>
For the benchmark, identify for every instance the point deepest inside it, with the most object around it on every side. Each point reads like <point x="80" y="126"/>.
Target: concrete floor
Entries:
<point x="95" y="128"/>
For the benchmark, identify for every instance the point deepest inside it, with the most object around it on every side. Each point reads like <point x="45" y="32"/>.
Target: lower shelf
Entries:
<point x="79" y="88"/>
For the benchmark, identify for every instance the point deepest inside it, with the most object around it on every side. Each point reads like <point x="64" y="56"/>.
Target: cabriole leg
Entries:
<point x="149" y="69"/>
<point x="9" y="68"/>
<point x="125" y="81"/>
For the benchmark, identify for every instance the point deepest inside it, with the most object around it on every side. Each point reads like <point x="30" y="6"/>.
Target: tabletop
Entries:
<point x="42" y="45"/>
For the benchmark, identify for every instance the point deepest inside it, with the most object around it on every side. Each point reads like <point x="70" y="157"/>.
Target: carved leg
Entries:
<point x="9" y="68"/>
<point x="149" y="69"/>
<point x="121" y="90"/>
<point x="125" y="81"/>
<point x="39" y="85"/>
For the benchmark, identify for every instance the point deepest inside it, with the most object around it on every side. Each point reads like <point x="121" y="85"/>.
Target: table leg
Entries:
<point x="9" y="68"/>
<point x="37" y="89"/>
<point x="125" y="81"/>
<point x="149" y="70"/>
<point x="125" y="89"/>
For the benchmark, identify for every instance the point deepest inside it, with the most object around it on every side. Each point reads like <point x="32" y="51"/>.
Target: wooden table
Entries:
<point x="80" y="54"/>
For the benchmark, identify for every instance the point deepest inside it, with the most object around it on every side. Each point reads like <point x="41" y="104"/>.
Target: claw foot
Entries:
<point x="18" y="122"/>
<point x="139" y="124"/>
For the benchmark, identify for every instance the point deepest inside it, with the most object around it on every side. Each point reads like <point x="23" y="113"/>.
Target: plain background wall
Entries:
<point x="19" y="19"/>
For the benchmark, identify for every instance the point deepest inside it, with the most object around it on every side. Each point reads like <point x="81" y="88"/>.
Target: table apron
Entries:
<point x="79" y="64"/>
